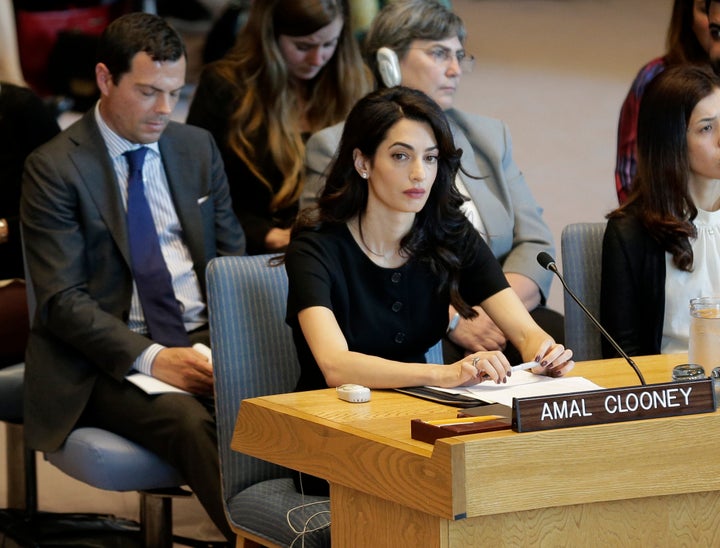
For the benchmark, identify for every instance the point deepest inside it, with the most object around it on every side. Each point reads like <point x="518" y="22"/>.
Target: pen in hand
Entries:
<point x="524" y="366"/>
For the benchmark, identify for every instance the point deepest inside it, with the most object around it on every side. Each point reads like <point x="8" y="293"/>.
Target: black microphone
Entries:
<point x="548" y="263"/>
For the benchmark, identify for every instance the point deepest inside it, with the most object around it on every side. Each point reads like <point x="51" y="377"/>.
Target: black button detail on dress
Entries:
<point x="396" y="277"/>
<point x="399" y="337"/>
<point x="397" y="306"/>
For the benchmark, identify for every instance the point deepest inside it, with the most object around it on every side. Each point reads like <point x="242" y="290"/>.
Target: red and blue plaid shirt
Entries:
<point x="626" y="165"/>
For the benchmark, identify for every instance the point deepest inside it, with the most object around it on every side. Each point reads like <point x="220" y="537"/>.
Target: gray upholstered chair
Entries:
<point x="254" y="355"/>
<point x="581" y="249"/>
<point x="14" y="329"/>
<point x="19" y="462"/>
<point x="21" y="522"/>
<point x="108" y="461"/>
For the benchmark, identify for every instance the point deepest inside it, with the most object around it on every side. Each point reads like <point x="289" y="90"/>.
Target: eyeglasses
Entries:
<point x="443" y="56"/>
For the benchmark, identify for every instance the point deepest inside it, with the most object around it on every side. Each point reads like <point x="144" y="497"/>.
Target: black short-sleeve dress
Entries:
<point x="393" y="313"/>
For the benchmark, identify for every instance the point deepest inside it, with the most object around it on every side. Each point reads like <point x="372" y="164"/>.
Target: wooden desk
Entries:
<point x="651" y="483"/>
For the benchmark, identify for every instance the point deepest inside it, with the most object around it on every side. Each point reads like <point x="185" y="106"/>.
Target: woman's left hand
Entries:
<point x="555" y="360"/>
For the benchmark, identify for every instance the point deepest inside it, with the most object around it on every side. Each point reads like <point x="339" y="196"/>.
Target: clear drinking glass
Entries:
<point x="704" y="343"/>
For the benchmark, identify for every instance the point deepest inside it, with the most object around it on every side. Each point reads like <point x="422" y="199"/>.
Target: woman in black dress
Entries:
<point x="374" y="267"/>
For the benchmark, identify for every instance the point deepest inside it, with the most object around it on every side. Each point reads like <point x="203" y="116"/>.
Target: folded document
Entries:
<point x="522" y="384"/>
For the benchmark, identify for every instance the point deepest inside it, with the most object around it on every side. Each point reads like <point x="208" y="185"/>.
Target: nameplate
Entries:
<point x="613" y="405"/>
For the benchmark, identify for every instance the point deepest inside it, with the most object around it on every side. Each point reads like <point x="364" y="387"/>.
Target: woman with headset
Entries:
<point x="420" y="44"/>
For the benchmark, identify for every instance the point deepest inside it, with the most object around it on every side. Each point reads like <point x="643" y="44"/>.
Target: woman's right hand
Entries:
<point x="476" y="368"/>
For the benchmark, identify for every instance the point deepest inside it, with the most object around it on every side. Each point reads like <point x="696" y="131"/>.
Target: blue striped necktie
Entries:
<point x="152" y="278"/>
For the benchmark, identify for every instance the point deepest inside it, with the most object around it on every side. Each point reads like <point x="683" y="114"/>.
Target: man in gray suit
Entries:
<point x="91" y="328"/>
<point x="420" y="44"/>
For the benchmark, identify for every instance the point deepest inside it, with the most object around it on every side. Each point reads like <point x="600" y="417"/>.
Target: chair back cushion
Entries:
<point x="11" y="392"/>
<point x="253" y="353"/>
<point x="435" y="353"/>
<point x="581" y="249"/>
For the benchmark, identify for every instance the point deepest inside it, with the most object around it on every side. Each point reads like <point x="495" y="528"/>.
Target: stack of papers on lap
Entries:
<point x="522" y="384"/>
<point x="151" y="385"/>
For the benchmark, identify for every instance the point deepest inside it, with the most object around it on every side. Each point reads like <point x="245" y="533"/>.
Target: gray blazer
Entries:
<point x="514" y="227"/>
<point x="78" y="259"/>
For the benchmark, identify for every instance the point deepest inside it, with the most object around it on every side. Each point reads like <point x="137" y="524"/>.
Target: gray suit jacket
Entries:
<point x="514" y="227"/>
<point x="77" y="254"/>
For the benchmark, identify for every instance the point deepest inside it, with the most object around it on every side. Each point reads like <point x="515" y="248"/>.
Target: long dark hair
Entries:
<point x="441" y="235"/>
<point x="682" y="44"/>
<point x="660" y="198"/>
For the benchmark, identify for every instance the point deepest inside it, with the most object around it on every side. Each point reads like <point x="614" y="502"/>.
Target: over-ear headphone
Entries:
<point x="388" y="67"/>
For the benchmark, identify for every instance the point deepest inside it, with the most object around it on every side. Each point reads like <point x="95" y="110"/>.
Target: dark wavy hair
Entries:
<point x="660" y="196"/>
<point x="134" y="33"/>
<point x="441" y="235"/>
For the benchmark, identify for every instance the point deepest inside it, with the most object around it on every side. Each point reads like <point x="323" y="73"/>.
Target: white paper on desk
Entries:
<point x="523" y="384"/>
<point x="151" y="385"/>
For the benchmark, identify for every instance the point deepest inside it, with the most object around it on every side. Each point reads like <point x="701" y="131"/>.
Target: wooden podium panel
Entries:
<point x="684" y="520"/>
<point x="354" y="444"/>
<point x="654" y="481"/>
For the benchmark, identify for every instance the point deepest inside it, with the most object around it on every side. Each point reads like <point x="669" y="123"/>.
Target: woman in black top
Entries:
<point x="294" y="70"/>
<point x="661" y="248"/>
<point x="374" y="267"/>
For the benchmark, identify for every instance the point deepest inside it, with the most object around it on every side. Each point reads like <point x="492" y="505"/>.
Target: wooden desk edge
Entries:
<point x="313" y="445"/>
<point x="455" y="478"/>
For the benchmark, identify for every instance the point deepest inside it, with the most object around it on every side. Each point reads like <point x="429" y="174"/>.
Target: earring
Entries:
<point x="364" y="175"/>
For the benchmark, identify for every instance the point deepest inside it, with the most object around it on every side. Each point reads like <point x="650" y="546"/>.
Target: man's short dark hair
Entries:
<point x="134" y="33"/>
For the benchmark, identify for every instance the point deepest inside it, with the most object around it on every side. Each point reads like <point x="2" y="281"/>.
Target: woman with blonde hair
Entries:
<point x="295" y="69"/>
